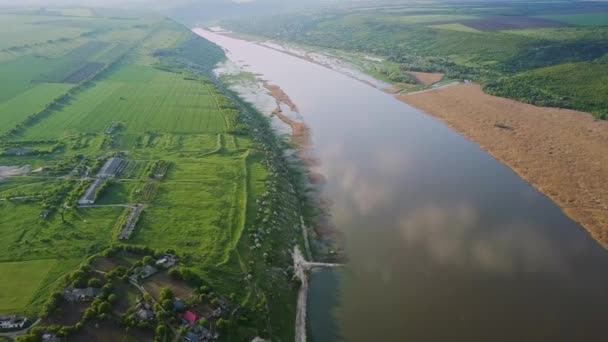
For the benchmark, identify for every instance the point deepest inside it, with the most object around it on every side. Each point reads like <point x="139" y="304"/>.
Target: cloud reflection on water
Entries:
<point x="454" y="235"/>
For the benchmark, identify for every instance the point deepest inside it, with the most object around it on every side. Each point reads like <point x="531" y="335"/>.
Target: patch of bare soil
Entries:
<point x="107" y="264"/>
<point x="300" y="132"/>
<point x="12" y="171"/>
<point x="326" y="233"/>
<point x="156" y="282"/>
<point x="427" y="78"/>
<point x="563" y="153"/>
<point x="103" y="331"/>
<point x="67" y="313"/>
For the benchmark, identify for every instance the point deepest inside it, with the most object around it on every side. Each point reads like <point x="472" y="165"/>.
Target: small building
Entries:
<point x="143" y="272"/>
<point x="45" y="214"/>
<point x="178" y="305"/>
<point x="144" y="312"/>
<point x="50" y="337"/>
<point x="167" y="261"/>
<point x="89" y="196"/>
<point x="12" y="322"/>
<point x="147" y="271"/>
<point x="202" y="333"/>
<point x="191" y="337"/>
<point x="80" y="295"/>
<point x="191" y="317"/>
<point x="110" y="168"/>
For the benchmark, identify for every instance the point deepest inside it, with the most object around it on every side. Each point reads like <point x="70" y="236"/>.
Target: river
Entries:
<point x="443" y="241"/>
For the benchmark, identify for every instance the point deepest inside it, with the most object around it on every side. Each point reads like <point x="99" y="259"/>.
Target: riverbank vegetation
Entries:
<point x="204" y="171"/>
<point x="509" y="46"/>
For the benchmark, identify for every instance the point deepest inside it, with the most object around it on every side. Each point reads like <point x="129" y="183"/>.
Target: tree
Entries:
<point x="148" y="260"/>
<point x="222" y="323"/>
<point x="167" y="304"/>
<point x="112" y="298"/>
<point x="94" y="282"/>
<point x="175" y="274"/>
<point x="166" y="293"/>
<point x="161" y="330"/>
<point x="104" y="307"/>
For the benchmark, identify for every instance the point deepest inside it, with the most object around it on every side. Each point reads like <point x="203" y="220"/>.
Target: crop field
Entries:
<point x="499" y="23"/>
<point x="162" y="101"/>
<point x="454" y="27"/>
<point x="21" y="31"/>
<point x="588" y="19"/>
<point x="29" y="101"/>
<point x="21" y="280"/>
<point x="428" y="18"/>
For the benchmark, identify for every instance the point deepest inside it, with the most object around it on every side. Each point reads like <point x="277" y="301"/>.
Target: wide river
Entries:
<point x="444" y="243"/>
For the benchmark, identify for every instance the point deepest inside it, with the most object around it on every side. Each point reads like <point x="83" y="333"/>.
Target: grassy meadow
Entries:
<point x="80" y="85"/>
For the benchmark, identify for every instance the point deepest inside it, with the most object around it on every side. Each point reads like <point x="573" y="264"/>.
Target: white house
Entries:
<point x="12" y="322"/>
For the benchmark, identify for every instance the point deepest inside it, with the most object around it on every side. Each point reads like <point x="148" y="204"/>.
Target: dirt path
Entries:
<point x="563" y="153"/>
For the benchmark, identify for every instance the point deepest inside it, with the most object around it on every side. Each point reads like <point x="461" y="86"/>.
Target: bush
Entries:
<point x="94" y="282"/>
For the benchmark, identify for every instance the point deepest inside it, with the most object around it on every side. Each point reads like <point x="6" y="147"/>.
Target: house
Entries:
<point x="89" y="196"/>
<point x="178" y="305"/>
<point x="167" y="261"/>
<point x="191" y="317"/>
<point x="12" y="322"/>
<point x="147" y="271"/>
<point x="191" y="337"/>
<point x="110" y="168"/>
<point x="143" y="272"/>
<point x="144" y="312"/>
<point x="80" y="295"/>
<point x="203" y="333"/>
<point x="50" y="337"/>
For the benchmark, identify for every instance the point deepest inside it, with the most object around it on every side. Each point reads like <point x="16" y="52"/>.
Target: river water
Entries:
<point x="443" y="241"/>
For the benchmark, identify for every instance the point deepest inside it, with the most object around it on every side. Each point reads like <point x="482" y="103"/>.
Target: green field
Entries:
<point x="588" y="19"/>
<point x="20" y="281"/>
<point x="104" y="83"/>
<point x="454" y="27"/>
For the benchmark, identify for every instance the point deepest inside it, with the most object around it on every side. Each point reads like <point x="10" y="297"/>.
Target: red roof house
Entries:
<point x="191" y="317"/>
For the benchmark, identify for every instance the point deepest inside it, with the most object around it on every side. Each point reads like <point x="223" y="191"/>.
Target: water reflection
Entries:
<point x="444" y="243"/>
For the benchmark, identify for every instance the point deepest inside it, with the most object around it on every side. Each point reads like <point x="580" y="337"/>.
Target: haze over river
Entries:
<point x="444" y="243"/>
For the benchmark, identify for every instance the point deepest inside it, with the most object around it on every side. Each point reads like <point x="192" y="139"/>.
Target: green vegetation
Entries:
<point x="21" y="280"/>
<point x="587" y="19"/>
<point x="486" y="43"/>
<point x="111" y="84"/>
<point x="572" y="85"/>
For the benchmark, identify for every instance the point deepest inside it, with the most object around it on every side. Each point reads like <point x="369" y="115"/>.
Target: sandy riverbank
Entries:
<point x="563" y="153"/>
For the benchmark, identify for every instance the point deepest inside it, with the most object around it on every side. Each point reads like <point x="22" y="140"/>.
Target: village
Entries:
<point x="149" y="298"/>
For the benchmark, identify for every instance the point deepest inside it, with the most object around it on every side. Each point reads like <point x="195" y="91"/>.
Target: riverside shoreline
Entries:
<point x="562" y="153"/>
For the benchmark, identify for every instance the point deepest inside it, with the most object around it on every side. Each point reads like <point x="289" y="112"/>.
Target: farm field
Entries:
<point x="189" y="176"/>
<point x="21" y="280"/>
